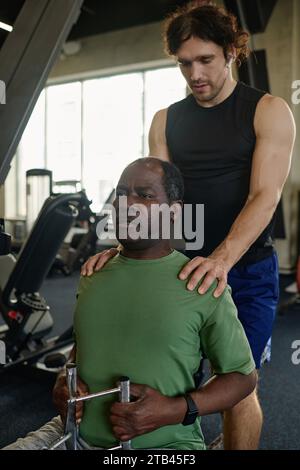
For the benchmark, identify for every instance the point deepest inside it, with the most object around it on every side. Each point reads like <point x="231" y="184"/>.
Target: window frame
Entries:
<point x="82" y="78"/>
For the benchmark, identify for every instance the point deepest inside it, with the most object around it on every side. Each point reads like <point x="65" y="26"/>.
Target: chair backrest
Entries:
<point x="42" y="244"/>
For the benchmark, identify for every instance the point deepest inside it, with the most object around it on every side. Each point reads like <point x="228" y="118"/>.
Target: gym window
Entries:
<point x="89" y="130"/>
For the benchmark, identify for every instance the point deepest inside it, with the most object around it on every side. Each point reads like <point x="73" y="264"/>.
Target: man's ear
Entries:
<point x="231" y="55"/>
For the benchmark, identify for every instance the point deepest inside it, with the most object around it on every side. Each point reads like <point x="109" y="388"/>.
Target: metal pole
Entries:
<point x="26" y="59"/>
<point x="125" y="398"/>
<point x="71" y="431"/>
<point x="71" y="426"/>
<point x="96" y="395"/>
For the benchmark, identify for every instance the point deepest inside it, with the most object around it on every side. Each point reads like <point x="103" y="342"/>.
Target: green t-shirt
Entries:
<point x="135" y="318"/>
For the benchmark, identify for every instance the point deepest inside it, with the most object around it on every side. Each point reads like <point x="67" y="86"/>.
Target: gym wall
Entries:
<point x="281" y="40"/>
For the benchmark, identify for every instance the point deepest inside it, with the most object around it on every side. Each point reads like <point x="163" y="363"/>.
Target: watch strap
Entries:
<point x="192" y="410"/>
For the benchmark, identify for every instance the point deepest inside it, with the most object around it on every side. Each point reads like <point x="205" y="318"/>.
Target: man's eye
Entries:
<point x="146" y="195"/>
<point x="206" y="61"/>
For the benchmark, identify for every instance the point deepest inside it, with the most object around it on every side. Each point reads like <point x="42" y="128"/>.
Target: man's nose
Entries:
<point x="196" y="72"/>
<point x="133" y="205"/>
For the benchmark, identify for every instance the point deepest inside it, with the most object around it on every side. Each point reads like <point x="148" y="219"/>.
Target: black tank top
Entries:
<point x="213" y="148"/>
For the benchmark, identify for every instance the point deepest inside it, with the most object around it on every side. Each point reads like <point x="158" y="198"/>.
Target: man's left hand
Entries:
<point x="149" y="410"/>
<point x="211" y="268"/>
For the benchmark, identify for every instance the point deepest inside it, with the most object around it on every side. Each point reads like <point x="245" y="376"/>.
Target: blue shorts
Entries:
<point x="255" y="291"/>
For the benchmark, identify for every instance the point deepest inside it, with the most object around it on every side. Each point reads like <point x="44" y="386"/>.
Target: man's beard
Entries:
<point x="215" y="92"/>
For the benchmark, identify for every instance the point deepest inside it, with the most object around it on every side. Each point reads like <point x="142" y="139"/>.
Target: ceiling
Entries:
<point x="99" y="17"/>
<point x="8" y="13"/>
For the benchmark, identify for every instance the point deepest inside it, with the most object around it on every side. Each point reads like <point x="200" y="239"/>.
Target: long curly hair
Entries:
<point x="209" y="22"/>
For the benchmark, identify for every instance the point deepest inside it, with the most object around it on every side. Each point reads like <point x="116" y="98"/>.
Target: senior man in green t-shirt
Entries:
<point x="136" y="318"/>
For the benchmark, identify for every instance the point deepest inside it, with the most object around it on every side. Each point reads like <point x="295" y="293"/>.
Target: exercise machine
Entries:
<point x="25" y="312"/>
<point x="71" y="429"/>
<point x="82" y="246"/>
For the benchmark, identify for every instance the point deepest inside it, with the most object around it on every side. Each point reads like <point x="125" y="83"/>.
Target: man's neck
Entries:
<point x="224" y="93"/>
<point x="154" y="252"/>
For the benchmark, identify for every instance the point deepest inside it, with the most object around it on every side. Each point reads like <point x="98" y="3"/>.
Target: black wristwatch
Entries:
<point x="192" y="411"/>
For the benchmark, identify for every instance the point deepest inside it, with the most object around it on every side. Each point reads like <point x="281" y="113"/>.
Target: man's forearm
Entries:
<point x="151" y="410"/>
<point x="220" y="393"/>
<point x="247" y="227"/>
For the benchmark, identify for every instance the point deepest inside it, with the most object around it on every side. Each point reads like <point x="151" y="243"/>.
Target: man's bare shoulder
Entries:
<point x="270" y="103"/>
<point x="272" y="110"/>
<point x="160" y="117"/>
<point x="157" y="135"/>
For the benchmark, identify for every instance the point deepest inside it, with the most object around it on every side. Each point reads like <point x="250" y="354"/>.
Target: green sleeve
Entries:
<point x="223" y="339"/>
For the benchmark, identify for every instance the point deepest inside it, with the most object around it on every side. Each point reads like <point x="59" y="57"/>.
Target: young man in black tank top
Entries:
<point x="233" y="145"/>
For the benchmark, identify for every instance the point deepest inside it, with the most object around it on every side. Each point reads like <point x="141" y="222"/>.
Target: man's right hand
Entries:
<point x="96" y="262"/>
<point x="61" y="395"/>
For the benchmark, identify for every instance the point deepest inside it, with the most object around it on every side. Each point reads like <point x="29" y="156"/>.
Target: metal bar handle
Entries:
<point x="96" y="395"/>
<point x="71" y="426"/>
<point x="125" y="398"/>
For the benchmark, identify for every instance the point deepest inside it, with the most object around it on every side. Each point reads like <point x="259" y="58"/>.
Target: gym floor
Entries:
<point x="25" y="393"/>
